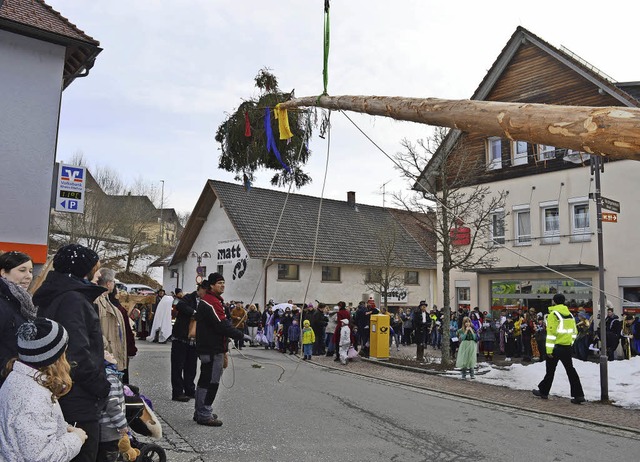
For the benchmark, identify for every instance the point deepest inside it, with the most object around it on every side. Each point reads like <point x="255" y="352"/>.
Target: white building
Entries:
<point x="546" y="233"/>
<point x="233" y="231"/>
<point x="41" y="54"/>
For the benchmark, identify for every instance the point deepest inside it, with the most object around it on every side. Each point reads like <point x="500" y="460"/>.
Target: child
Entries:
<point x="294" y="337"/>
<point x="32" y="426"/>
<point x="113" y="423"/>
<point x="488" y="338"/>
<point x="280" y="338"/>
<point x="345" y="340"/>
<point x="308" y="339"/>
<point x="467" y="359"/>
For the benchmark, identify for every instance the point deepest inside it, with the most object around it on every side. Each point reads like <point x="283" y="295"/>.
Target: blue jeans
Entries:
<point x="307" y="348"/>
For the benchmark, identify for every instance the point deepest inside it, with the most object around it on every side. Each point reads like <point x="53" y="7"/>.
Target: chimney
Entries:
<point x="351" y="198"/>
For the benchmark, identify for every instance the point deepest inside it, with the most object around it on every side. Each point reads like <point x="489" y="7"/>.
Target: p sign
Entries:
<point x="71" y="188"/>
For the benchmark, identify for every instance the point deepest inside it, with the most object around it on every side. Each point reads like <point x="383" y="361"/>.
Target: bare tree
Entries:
<point x="463" y="217"/>
<point x="385" y="276"/>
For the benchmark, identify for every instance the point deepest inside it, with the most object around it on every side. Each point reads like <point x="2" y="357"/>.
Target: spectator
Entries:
<point x="345" y="340"/>
<point x="613" y="330"/>
<point x="308" y="339"/>
<point x="420" y="324"/>
<point x="332" y="325"/>
<point x="488" y="338"/>
<point x="132" y="350"/>
<point x="161" y="326"/>
<point x="319" y="322"/>
<point x="111" y="320"/>
<point x="467" y="357"/>
<point x="113" y="423"/>
<point x="238" y="319"/>
<point x="66" y="296"/>
<point x="36" y="380"/>
<point x="407" y="327"/>
<point x="294" y="337"/>
<point x="16" y="305"/>
<point x="581" y="344"/>
<point x="253" y="320"/>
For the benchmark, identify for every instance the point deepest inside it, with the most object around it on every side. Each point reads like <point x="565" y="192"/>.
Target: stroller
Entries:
<point x="142" y="421"/>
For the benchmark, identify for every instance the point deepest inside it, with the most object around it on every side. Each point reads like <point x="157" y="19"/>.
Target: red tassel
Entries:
<point x="247" y="125"/>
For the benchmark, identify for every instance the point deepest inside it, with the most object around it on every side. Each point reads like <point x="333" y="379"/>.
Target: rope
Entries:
<point x="325" y="70"/>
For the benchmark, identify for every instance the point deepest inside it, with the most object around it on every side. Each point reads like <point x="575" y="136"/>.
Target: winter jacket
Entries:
<point x="238" y="317"/>
<point x="294" y="333"/>
<point x="308" y="336"/>
<point x="186" y="309"/>
<point x="345" y="335"/>
<point x="253" y="318"/>
<point x="213" y="327"/>
<point x="561" y="327"/>
<point x="32" y="428"/>
<point x="114" y="336"/>
<point x="10" y="319"/>
<point x="488" y="332"/>
<point x="113" y="417"/>
<point x="68" y="300"/>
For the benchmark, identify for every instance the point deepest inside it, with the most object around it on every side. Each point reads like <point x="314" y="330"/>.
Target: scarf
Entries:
<point x="27" y="308"/>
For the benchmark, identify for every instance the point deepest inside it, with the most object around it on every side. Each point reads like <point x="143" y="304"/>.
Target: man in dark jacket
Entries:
<point x="613" y="328"/>
<point x="184" y="357"/>
<point x="421" y="323"/>
<point x="212" y="332"/>
<point x="67" y="296"/>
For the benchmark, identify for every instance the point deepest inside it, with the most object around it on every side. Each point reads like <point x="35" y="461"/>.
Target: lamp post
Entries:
<point x="199" y="257"/>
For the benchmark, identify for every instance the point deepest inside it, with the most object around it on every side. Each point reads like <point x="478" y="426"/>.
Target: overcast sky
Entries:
<point x="170" y="70"/>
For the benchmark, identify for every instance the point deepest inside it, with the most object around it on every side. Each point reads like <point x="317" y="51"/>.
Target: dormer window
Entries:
<point x="519" y="152"/>
<point x="494" y="153"/>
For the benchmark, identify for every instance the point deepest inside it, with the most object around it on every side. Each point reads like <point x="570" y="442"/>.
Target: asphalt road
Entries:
<point x="276" y="408"/>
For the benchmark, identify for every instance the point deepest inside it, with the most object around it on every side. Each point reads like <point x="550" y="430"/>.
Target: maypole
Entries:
<point x="611" y="131"/>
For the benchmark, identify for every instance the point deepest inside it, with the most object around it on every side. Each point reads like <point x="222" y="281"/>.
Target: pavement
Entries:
<point x="605" y="416"/>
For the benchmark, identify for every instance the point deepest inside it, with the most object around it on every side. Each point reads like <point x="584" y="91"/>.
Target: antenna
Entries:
<point x="384" y="191"/>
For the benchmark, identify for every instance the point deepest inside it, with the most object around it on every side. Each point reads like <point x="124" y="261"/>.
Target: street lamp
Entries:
<point x="200" y="256"/>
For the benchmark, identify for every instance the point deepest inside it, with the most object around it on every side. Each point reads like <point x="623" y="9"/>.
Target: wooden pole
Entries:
<point x="612" y="131"/>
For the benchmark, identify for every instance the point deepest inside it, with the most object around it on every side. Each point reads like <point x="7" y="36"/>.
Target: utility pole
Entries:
<point x="384" y="192"/>
<point x="597" y="167"/>
<point x="161" y="221"/>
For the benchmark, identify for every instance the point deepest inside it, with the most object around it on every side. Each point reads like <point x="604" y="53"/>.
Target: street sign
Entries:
<point x="610" y="217"/>
<point x="71" y="189"/>
<point x="610" y="204"/>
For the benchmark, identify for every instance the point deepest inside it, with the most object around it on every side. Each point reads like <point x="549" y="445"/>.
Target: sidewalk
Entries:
<point x="592" y="412"/>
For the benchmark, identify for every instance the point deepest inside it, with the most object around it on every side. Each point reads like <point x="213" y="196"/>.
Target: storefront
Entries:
<point x="518" y="294"/>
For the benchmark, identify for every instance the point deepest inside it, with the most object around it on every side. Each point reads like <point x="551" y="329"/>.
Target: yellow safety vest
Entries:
<point x="561" y="327"/>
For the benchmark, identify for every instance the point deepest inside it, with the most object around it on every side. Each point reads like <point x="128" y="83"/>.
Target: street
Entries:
<point x="276" y="408"/>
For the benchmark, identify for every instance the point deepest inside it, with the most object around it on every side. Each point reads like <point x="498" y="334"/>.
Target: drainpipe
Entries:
<point x="266" y="268"/>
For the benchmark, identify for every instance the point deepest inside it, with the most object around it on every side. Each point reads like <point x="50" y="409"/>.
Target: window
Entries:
<point x="494" y="153"/>
<point x="580" y="230"/>
<point x="522" y="222"/>
<point x="373" y="276"/>
<point x="546" y="152"/>
<point x="288" y="272"/>
<point x="411" y="277"/>
<point x="550" y="224"/>
<point x="331" y="274"/>
<point x="463" y="297"/>
<point x="519" y="152"/>
<point x="497" y="228"/>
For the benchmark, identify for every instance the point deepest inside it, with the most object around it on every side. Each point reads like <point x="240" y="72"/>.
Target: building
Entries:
<point x="546" y="233"/>
<point x="262" y="241"/>
<point x="42" y="53"/>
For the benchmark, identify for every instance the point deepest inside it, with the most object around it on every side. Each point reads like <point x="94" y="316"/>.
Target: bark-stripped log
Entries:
<point x="612" y="131"/>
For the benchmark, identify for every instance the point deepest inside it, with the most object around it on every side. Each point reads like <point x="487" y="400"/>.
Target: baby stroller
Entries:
<point x="143" y="421"/>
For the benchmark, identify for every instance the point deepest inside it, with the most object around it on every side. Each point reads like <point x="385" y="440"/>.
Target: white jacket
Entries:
<point x="32" y="428"/>
<point x="345" y="336"/>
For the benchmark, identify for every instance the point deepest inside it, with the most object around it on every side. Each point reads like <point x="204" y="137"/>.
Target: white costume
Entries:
<point x="162" y="320"/>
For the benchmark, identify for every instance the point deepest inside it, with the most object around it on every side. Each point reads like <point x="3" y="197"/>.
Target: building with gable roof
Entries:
<point x="546" y="234"/>
<point x="233" y="231"/>
<point x="42" y="53"/>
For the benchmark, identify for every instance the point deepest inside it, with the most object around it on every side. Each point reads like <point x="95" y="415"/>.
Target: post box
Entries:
<point x="379" y="336"/>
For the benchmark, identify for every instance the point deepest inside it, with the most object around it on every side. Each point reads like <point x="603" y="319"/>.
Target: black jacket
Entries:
<point x="213" y="327"/>
<point x="10" y="320"/>
<point x="186" y="308"/>
<point x="68" y="300"/>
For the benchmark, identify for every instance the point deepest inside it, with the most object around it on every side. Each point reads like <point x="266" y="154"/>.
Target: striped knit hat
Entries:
<point x="41" y="342"/>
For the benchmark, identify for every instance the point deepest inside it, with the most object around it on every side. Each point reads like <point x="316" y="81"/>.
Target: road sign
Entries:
<point x="71" y="189"/>
<point x="199" y="279"/>
<point x="610" y="204"/>
<point x="610" y="217"/>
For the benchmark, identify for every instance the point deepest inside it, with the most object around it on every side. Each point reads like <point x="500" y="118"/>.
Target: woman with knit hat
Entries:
<point x="32" y="427"/>
<point x="16" y="305"/>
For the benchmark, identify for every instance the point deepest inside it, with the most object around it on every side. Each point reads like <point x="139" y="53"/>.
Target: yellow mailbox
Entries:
<point x="379" y="338"/>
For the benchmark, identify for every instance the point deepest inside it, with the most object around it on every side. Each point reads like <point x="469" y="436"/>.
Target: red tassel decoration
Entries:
<point x="247" y="125"/>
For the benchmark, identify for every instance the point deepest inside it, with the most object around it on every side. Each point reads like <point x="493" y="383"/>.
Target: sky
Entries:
<point x="623" y="377"/>
<point x="170" y="71"/>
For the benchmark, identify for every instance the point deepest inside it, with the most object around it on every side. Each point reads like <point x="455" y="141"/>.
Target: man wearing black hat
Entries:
<point x="66" y="296"/>
<point x="212" y="332"/>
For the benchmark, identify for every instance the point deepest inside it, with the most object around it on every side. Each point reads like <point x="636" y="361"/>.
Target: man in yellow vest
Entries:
<point x="561" y="332"/>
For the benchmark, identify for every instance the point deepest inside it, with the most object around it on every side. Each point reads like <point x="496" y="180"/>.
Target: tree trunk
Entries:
<point x="611" y="131"/>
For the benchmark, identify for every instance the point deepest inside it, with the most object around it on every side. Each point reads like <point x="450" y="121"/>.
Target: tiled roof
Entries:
<point x="347" y="235"/>
<point x="36" y="13"/>
<point x="36" y="19"/>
